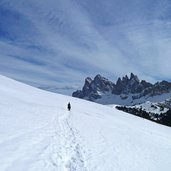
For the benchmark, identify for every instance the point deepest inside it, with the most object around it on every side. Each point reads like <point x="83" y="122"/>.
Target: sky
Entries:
<point x="56" y="44"/>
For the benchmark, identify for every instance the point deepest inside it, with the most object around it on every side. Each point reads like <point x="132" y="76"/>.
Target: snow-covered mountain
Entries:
<point x="156" y="108"/>
<point x="157" y="112"/>
<point x="126" y="91"/>
<point x="38" y="133"/>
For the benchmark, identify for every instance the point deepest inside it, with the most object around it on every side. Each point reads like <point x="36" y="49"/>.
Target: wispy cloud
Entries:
<point x="57" y="43"/>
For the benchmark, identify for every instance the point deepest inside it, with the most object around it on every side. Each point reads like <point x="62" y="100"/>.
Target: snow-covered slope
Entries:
<point x="157" y="108"/>
<point x="127" y="99"/>
<point x="37" y="133"/>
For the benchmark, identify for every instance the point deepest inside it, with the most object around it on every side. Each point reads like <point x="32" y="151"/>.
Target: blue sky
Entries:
<point x="57" y="43"/>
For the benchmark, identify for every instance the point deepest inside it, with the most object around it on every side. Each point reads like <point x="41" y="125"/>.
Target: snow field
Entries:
<point x="38" y="133"/>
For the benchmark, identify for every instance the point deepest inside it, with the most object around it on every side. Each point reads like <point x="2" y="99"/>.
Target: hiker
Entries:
<point x="69" y="106"/>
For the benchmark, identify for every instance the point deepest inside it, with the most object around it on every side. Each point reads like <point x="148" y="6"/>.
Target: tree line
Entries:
<point x="162" y="118"/>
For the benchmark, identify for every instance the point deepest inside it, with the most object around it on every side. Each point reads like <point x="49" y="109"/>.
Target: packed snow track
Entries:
<point x="72" y="152"/>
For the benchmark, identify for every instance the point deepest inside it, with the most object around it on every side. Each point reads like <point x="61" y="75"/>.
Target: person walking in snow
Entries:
<point x="69" y="106"/>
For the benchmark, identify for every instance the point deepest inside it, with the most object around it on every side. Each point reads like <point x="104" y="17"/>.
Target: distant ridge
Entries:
<point x="126" y="91"/>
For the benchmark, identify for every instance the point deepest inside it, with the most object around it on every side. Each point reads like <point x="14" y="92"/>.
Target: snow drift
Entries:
<point x="38" y="133"/>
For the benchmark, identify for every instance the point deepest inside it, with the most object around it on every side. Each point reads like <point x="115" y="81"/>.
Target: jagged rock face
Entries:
<point x="132" y="85"/>
<point x="101" y="84"/>
<point x="94" y="89"/>
<point x="158" y="88"/>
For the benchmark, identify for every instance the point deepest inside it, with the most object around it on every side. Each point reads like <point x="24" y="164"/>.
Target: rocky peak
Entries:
<point x="127" y="85"/>
<point x="119" y="81"/>
<point x="125" y="78"/>
<point x="101" y="84"/>
<point x="86" y="87"/>
<point x="96" y="88"/>
<point x="92" y="89"/>
<point x="98" y="77"/>
<point x="88" y="81"/>
<point x="134" y="78"/>
<point x="159" y="88"/>
<point x="145" y="84"/>
<point x="98" y="80"/>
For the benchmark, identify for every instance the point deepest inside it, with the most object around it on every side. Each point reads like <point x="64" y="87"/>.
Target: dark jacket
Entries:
<point x="69" y="106"/>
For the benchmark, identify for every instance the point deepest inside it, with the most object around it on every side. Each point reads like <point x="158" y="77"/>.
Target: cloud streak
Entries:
<point x="57" y="43"/>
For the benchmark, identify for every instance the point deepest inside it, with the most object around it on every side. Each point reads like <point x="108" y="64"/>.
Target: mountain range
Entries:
<point x="126" y="91"/>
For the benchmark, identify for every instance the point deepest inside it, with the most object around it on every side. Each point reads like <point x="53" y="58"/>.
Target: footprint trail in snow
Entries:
<point x="72" y="153"/>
